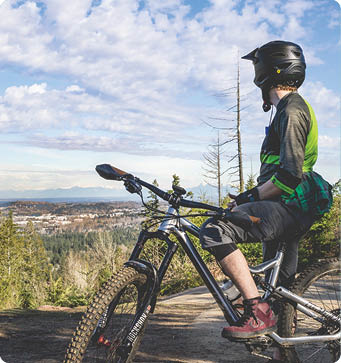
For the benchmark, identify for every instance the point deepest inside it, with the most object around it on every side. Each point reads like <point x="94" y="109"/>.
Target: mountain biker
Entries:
<point x="289" y="196"/>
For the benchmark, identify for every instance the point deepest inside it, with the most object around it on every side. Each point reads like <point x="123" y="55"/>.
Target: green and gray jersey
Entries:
<point x="290" y="146"/>
<point x="289" y="152"/>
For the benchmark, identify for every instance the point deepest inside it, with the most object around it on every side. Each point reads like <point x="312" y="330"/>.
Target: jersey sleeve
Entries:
<point x="292" y="129"/>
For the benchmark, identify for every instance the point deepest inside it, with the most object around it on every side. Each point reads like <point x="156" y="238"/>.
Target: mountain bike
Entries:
<point x="112" y="328"/>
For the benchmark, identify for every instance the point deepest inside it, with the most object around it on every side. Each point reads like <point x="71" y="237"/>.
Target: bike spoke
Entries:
<point x="314" y="353"/>
<point x="325" y="294"/>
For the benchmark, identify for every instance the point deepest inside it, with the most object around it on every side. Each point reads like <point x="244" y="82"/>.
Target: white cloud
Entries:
<point x="325" y="103"/>
<point x="148" y="54"/>
<point x="129" y="144"/>
<point x="127" y="69"/>
<point x="74" y="88"/>
<point x="75" y="120"/>
<point x="36" y="178"/>
<point x="329" y="142"/>
<point x="293" y="30"/>
<point x="298" y="7"/>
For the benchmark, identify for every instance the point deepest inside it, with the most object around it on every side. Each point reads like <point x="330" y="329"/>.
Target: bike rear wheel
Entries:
<point x="108" y="320"/>
<point x="320" y="285"/>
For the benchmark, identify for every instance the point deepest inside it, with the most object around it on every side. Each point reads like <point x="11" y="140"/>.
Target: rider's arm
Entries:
<point x="268" y="190"/>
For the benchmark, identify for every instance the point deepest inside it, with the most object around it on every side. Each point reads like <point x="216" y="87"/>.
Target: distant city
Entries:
<point x="51" y="218"/>
<point x="78" y="209"/>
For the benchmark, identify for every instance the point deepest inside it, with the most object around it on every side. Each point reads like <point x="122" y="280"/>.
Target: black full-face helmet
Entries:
<point x="277" y="63"/>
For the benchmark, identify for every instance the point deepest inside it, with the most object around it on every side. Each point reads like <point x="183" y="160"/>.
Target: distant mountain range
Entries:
<point x="94" y="194"/>
<point x="67" y="194"/>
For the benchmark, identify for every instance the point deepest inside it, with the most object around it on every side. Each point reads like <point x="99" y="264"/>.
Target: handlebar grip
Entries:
<point x="109" y="172"/>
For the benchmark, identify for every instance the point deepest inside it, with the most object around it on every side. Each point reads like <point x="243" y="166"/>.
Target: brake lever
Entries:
<point x="132" y="186"/>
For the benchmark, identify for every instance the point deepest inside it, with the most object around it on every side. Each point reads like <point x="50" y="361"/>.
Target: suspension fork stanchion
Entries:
<point x="142" y="239"/>
<point x="161" y="234"/>
<point x="171" y="249"/>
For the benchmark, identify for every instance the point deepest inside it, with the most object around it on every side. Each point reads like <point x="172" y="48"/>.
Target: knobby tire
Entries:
<point x="319" y="284"/>
<point x="124" y="290"/>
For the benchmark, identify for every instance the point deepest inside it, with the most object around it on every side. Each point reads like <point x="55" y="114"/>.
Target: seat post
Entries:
<point x="281" y="246"/>
<point x="272" y="276"/>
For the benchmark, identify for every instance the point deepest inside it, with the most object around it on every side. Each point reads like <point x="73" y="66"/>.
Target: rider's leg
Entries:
<point x="221" y="237"/>
<point x="236" y="267"/>
<point x="258" y="318"/>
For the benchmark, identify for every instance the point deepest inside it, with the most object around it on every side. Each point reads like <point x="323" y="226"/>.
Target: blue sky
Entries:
<point x="133" y="83"/>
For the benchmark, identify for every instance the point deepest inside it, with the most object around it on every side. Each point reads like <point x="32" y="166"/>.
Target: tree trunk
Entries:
<point x="240" y="159"/>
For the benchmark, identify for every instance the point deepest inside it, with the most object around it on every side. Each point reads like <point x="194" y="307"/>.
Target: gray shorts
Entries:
<point x="278" y="223"/>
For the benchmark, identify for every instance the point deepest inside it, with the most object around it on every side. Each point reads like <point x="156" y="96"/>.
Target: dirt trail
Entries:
<point x="184" y="328"/>
<point x="196" y="336"/>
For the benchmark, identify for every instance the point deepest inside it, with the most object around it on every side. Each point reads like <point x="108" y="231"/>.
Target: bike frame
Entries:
<point x="179" y="227"/>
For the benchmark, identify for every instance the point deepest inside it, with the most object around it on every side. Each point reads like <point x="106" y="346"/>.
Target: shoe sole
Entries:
<point x="241" y="335"/>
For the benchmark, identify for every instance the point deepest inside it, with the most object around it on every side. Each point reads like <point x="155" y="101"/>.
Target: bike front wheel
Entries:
<point x="108" y="320"/>
<point x="320" y="284"/>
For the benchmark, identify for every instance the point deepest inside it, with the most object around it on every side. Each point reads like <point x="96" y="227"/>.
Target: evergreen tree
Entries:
<point x="151" y="206"/>
<point x="153" y="201"/>
<point x="251" y="181"/>
<point x="176" y="180"/>
<point x="34" y="269"/>
<point x="10" y="261"/>
<point x="23" y="266"/>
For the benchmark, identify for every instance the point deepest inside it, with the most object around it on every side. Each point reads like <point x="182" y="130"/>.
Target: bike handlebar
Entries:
<point x="159" y="192"/>
<point x="109" y="172"/>
<point x="182" y="202"/>
<point x="133" y="185"/>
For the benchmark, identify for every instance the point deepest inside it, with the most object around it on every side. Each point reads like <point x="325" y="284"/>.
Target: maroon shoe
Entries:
<point x="258" y="319"/>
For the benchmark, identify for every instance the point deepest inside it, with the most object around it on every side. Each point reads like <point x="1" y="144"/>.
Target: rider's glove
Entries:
<point x="251" y="195"/>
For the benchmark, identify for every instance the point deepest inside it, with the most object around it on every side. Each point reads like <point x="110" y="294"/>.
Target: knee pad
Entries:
<point x="223" y="250"/>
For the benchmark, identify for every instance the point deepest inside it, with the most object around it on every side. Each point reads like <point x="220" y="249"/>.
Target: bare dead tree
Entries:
<point x="213" y="166"/>
<point x="239" y="139"/>
<point x="233" y="132"/>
